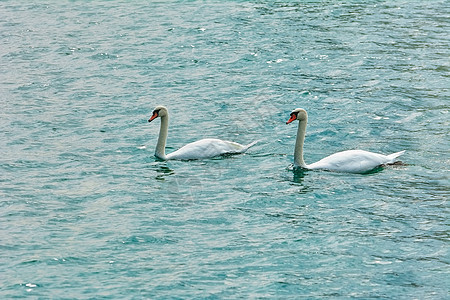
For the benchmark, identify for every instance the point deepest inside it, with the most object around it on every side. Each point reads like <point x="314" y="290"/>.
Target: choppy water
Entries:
<point x="87" y="211"/>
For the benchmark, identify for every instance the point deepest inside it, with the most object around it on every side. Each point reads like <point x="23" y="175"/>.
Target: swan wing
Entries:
<point x="207" y="148"/>
<point x="353" y="161"/>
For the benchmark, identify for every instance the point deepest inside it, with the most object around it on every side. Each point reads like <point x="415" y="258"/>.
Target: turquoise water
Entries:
<point x="87" y="212"/>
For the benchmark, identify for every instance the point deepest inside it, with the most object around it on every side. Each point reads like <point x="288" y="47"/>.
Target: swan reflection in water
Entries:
<point x="163" y="171"/>
<point x="299" y="174"/>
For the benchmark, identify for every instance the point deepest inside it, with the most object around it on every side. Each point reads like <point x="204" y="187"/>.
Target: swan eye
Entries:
<point x="156" y="111"/>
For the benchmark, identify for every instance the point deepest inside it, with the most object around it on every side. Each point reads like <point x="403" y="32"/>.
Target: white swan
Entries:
<point x="205" y="148"/>
<point x="351" y="161"/>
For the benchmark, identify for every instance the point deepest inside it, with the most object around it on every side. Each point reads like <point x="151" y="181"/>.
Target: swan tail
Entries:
<point x="392" y="157"/>
<point x="250" y="145"/>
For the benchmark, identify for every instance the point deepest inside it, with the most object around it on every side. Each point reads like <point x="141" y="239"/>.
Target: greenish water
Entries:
<point x="87" y="212"/>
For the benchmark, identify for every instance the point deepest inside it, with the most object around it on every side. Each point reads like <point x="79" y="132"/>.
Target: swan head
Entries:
<point x="159" y="111"/>
<point x="298" y="114"/>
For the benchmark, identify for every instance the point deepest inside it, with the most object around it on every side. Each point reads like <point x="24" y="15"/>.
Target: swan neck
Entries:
<point x="298" y="152"/>
<point x="162" y="138"/>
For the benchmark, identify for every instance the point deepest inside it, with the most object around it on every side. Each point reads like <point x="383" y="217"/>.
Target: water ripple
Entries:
<point x="88" y="212"/>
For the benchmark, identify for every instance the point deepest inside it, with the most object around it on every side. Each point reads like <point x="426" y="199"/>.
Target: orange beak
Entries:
<point x="292" y="118"/>
<point x="154" y="116"/>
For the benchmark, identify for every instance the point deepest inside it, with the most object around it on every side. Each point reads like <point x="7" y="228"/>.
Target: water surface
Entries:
<point x="88" y="212"/>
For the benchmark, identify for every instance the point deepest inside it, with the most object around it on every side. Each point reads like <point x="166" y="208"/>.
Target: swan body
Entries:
<point x="202" y="149"/>
<point x="350" y="161"/>
<point x="207" y="148"/>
